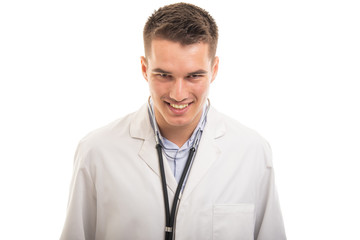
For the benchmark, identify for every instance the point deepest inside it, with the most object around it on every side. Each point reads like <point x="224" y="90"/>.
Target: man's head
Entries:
<point x="180" y="63"/>
<point x="183" y="23"/>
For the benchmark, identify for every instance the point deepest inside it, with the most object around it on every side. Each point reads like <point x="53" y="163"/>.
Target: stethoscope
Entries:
<point x="170" y="217"/>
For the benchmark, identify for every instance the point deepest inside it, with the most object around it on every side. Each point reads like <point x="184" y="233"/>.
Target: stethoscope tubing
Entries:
<point x="171" y="216"/>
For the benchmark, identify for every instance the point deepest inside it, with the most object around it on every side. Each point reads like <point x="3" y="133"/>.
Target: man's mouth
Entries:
<point x="179" y="106"/>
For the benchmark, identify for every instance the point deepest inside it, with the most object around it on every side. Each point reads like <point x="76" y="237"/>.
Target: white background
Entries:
<point x="289" y="69"/>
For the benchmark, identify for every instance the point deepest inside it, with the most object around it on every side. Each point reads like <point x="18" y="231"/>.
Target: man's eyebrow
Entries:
<point x="198" y="72"/>
<point x="159" y="70"/>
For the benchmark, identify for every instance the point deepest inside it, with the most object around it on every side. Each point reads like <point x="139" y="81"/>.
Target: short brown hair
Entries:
<point x="184" y="23"/>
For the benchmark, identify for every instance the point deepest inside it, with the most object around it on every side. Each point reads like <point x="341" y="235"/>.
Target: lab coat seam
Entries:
<point x="95" y="198"/>
<point x="85" y="164"/>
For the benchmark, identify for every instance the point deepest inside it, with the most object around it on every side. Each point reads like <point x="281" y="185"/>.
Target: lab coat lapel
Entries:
<point x="141" y="128"/>
<point x="149" y="154"/>
<point x="207" y="153"/>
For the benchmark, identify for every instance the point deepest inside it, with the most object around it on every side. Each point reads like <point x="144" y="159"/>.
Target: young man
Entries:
<point x="176" y="168"/>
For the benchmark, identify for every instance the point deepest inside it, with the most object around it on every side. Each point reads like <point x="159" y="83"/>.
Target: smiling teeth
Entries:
<point x="179" y="106"/>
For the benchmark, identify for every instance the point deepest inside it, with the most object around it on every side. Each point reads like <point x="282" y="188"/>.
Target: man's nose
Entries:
<point x="179" y="90"/>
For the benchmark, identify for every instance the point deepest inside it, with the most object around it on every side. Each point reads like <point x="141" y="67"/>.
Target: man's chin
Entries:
<point x="178" y="124"/>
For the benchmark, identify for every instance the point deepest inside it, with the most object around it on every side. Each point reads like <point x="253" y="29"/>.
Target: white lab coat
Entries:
<point x="116" y="187"/>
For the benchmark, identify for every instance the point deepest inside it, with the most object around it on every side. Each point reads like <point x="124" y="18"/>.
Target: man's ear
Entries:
<point x="144" y="67"/>
<point x="215" y="68"/>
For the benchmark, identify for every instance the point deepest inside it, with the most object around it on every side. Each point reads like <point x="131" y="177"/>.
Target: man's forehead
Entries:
<point x="160" y="44"/>
<point x="165" y="50"/>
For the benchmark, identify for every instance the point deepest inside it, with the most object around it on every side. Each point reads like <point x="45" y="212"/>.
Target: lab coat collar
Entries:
<point x="208" y="151"/>
<point x="140" y="126"/>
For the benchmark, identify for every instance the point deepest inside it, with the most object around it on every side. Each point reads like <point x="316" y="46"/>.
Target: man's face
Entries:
<point x="179" y="78"/>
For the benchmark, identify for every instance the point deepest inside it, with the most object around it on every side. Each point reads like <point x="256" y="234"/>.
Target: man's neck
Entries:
<point x="178" y="134"/>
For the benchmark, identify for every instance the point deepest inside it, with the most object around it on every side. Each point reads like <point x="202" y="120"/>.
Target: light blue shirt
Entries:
<point x="175" y="155"/>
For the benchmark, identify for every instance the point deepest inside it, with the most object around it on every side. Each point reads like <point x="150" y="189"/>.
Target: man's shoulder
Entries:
<point x="113" y="132"/>
<point x="235" y="129"/>
<point x="238" y="138"/>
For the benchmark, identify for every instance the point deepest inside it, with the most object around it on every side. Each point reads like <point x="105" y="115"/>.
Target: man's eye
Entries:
<point x="195" y="76"/>
<point x="163" y="75"/>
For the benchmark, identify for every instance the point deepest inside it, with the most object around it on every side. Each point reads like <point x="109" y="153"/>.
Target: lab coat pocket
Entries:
<point x="235" y="221"/>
